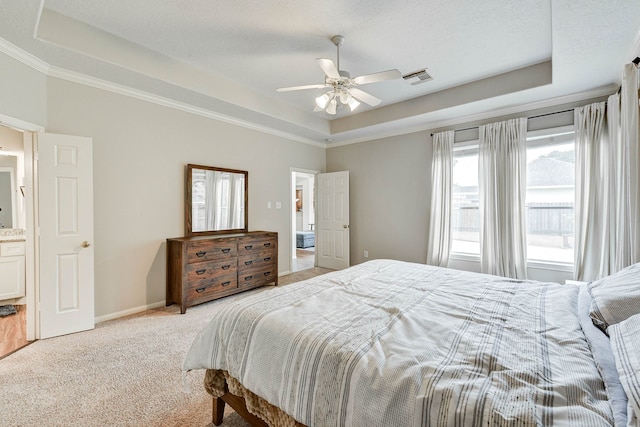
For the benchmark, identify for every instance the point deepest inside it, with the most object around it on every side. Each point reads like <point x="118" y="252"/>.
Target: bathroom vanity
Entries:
<point x="12" y="264"/>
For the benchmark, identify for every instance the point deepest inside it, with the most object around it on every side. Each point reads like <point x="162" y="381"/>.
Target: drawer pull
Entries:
<point x="267" y="259"/>
<point x="266" y="245"/>
<point x="200" y="254"/>
<point x="248" y="277"/>
<point x="202" y="289"/>
<point x="225" y="283"/>
<point x="248" y="247"/>
<point x="200" y="272"/>
<point x="226" y="267"/>
<point x="266" y="273"/>
<point x="226" y="250"/>
<point x="248" y="262"/>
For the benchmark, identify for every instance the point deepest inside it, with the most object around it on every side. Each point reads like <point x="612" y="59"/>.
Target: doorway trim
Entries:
<point x="31" y="204"/>
<point x="292" y="222"/>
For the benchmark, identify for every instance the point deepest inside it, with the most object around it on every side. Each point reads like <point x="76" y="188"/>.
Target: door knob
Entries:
<point x="345" y="226"/>
<point x="85" y="244"/>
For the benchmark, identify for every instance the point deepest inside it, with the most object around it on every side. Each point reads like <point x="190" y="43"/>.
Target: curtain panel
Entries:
<point x="502" y="185"/>
<point x="439" y="245"/>
<point x="592" y="187"/>
<point x="212" y="184"/>
<point x="628" y="230"/>
<point x="607" y="229"/>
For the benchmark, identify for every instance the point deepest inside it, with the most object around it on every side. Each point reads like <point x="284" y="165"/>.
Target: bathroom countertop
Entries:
<point x="11" y="235"/>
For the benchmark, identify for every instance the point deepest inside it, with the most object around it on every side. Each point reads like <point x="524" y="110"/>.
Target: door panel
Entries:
<point x="65" y="212"/>
<point x="333" y="221"/>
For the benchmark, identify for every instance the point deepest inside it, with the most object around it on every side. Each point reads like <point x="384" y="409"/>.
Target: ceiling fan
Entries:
<point x="344" y="89"/>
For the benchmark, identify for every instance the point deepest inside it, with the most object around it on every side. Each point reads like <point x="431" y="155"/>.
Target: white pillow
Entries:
<point x="615" y="297"/>
<point x="625" y="343"/>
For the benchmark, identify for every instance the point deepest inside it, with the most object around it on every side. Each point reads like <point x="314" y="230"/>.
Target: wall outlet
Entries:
<point x="278" y="205"/>
<point x="366" y="254"/>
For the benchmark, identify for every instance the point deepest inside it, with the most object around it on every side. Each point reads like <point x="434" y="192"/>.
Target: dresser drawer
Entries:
<point x="200" y="272"/>
<point x="212" y="288"/>
<point x="205" y="250"/>
<point x="248" y="245"/>
<point x="258" y="275"/>
<point x="254" y="260"/>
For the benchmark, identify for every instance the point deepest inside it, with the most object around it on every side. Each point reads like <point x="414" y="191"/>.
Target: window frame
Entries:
<point x="534" y="138"/>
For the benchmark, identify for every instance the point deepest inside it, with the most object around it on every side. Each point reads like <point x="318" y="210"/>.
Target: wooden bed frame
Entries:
<point x="239" y="405"/>
<point x="252" y="408"/>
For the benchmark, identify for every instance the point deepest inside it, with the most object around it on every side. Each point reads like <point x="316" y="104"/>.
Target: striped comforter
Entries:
<point x="389" y="343"/>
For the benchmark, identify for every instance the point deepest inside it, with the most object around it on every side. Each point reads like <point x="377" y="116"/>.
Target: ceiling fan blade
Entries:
<point x="329" y="68"/>
<point x="364" y="96"/>
<point x="377" y="77"/>
<point x="287" y="89"/>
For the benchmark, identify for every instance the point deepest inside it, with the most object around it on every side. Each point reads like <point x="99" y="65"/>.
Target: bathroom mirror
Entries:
<point x="7" y="197"/>
<point x="217" y="200"/>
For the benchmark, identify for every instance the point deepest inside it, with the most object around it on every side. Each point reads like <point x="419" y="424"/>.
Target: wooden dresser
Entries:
<point x="203" y="268"/>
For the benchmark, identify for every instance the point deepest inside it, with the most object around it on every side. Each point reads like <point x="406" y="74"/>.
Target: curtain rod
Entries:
<point x="532" y="117"/>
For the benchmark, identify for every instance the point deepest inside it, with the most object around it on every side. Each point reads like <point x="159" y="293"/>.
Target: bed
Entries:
<point x="390" y="343"/>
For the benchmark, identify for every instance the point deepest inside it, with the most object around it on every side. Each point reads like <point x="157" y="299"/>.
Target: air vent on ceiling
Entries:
<point x="418" y="77"/>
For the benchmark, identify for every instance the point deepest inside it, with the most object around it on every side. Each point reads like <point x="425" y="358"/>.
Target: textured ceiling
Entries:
<point x="231" y="56"/>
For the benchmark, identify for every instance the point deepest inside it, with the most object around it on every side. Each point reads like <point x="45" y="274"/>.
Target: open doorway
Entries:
<point x="303" y="255"/>
<point x="13" y="296"/>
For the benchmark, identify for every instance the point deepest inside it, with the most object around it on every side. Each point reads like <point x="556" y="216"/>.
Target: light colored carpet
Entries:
<point x="125" y="372"/>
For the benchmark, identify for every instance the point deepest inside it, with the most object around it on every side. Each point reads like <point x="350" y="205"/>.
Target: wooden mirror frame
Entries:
<point x="189" y="192"/>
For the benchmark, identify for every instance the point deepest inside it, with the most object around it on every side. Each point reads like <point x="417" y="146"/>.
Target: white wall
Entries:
<point x="140" y="152"/>
<point x="23" y="92"/>
<point x="389" y="195"/>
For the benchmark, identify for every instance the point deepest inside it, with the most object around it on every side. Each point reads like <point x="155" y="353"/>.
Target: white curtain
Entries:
<point x="592" y="188"/>
<point x="212" y="217"/>
<point x="439" y="244"/>
<point x="628" y="170"/>
<point x="607" y="203"/>
<point x="236" y="214"/>
<point x="502" y="185"/>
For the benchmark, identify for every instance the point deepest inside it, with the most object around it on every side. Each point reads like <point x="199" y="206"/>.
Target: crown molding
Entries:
<point x="53" y="71"/>
<point x="25" y="57"/>
<point x="94" y="82"/>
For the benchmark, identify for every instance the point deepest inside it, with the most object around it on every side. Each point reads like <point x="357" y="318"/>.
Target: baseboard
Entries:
<point x="142" y="308"/>
<point x="129" y="312"/>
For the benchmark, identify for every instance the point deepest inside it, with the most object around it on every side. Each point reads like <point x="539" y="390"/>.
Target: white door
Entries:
<point x="333" y="220"/>
<point x="65" y="212"/>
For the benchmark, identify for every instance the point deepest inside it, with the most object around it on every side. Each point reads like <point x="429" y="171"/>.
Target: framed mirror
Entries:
<point x="7" y="197"/>
<point x="217" y="200"/>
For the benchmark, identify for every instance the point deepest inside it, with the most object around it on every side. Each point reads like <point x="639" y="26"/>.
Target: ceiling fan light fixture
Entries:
<point x="343" y="91"/>
<point x="323" y="100"/>
<point x="331" y="108"/>
<point x="345" y="97"/>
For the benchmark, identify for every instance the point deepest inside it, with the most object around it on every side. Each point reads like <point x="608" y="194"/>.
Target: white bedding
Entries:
<point x="389" y="343"/>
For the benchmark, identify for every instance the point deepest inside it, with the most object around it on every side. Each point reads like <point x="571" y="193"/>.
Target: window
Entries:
<point x="465" y="221"/>
<point x="550" y="197"/>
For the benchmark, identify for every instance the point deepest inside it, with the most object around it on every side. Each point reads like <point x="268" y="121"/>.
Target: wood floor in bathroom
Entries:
<point x="13" y="331"/>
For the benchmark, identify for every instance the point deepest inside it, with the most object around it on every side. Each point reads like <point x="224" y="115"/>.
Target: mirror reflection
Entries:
<point x="218" y="200"/>
<point x="7" y="197"/>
